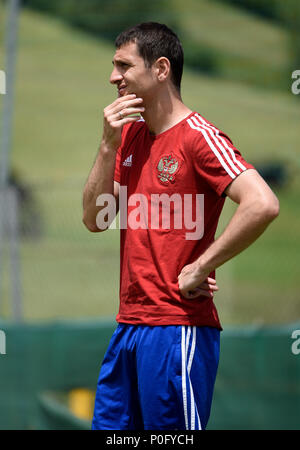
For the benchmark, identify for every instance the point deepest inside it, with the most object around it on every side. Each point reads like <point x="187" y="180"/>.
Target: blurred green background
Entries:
<point x="239" y="59"/>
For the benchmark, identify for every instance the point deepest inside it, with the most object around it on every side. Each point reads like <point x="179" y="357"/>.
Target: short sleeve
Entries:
<point x="215" y="158"/>
<point x="128" y="134"/>
<point x="117" y="174"/>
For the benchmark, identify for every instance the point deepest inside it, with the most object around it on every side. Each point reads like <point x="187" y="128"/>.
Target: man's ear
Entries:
<point x="162" y="68"/>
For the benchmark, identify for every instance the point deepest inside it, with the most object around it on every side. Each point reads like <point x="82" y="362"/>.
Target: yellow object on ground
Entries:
<point x="81" y="403"/>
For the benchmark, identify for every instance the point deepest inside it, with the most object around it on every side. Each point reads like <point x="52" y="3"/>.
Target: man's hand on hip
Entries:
<point x="192" y="283"/>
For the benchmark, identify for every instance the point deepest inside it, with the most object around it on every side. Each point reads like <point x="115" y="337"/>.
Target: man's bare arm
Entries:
<point x="101" y="177"/>
<point x="257" y="208"/>
<point x="100" y="181"/>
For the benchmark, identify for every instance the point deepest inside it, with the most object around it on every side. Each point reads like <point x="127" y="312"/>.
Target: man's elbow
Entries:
<point x="275" y="209"/>
<point x="270" y="209"/>
<point x="92" y="225"/>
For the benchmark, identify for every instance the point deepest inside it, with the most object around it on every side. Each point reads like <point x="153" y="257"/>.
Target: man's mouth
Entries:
<point x="121" y="90"/>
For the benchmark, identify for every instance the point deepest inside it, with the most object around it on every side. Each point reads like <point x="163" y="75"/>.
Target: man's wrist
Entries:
<point x="107" y="148"/>
<point x="203" y="267"/>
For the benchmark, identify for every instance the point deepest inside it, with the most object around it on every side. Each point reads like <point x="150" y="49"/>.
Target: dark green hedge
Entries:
<point x="268" y="9"/>
<point x="107" y="18"/>
<point x="284" y="12"/>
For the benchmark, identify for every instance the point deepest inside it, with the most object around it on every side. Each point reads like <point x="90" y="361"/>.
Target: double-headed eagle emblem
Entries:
<point x="167" y="167"/>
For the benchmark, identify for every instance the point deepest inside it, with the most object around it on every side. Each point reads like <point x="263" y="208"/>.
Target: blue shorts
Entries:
<point x="157" y="378"/>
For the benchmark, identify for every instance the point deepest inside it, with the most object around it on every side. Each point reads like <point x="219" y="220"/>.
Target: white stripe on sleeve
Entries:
<point x="223" y="141"/>
<point x="213" y="148"/>
<point x="218" y="144"/>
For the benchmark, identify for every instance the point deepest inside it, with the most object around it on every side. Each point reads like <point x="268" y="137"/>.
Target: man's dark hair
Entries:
<point x="155" y="40"/>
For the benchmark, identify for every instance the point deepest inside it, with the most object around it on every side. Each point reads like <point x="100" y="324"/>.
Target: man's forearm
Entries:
<point x="100" y="181"/>
<point x="246" y="225"/>
<point x="124" y="110"/>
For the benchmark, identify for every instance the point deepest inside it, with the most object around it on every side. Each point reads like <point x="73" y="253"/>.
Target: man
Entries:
<point x="160" y="367"/>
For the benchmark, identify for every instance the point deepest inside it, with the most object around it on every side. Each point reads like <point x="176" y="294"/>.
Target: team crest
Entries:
<point x="167" y="167"/>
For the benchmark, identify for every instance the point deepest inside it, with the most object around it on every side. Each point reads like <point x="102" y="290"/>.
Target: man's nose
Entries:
<point x="115" y="76"/>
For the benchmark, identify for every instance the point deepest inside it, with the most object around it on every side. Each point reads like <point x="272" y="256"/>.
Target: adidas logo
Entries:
<point x="128" y="161"/>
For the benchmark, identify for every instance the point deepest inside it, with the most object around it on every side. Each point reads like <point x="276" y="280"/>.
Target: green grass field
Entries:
<point x="248" y="48"/>
<point x="62" y="87"/>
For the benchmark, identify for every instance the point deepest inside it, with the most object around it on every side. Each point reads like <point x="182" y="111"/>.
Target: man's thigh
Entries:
<point x="116" y="402"/>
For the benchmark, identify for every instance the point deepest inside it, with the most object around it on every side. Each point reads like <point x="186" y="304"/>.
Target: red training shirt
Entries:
<point x="192" y="157"/>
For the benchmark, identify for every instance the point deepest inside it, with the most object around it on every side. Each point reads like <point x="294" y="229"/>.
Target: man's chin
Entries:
<point x="124" y="92"/>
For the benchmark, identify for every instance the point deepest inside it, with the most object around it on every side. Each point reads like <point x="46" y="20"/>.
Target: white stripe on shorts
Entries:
<point x="190" y="411"/>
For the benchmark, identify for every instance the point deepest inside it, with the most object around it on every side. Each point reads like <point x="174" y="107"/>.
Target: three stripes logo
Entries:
<point x="128" y="161"/>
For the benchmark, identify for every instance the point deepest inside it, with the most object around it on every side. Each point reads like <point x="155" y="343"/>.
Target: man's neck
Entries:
<point x="165" y="113"/>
